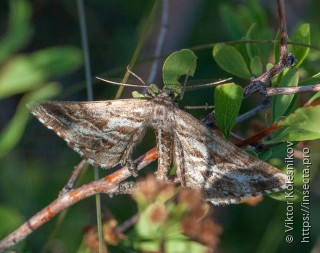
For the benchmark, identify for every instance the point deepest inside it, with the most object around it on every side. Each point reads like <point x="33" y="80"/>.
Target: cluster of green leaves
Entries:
<point x="28" y="74"/>
<point x="160" y="222"/>
<point x="244" y="60"/>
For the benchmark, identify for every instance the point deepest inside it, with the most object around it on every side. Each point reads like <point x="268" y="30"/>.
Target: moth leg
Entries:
<point x="164" y="146"/>
<point x="126" y="187"/>
<point x="179" y="161"/>
<point x="126" y="155"/>
<point x="132" y="167"/>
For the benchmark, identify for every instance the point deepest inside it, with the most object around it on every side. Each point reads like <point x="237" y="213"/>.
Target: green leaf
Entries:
<point x="297" y="196"/>
<point x="182" y="244"/>
<point x="230" y="60"/>
<point x="315" y="79"/>
<point x="252" y="153"/>
<point x="13" y="131"/>
<point x="237" y="20"/>
<point x="10" y="219"/>
<point x="302" y="35"/>
<point x="307" y="118"/>
<point x="276" y="48"/>
<point x="256" y="66"/>
<point x="179" y="63"/>
<point x="230" y="21"/>
<point x="314" y="97"/>
<point x="282" y="103"/>
<point x="24" y="73"/>
<point x="19" y="28"/>
<point x="273" y="152"/>
<point x="294" y="134"/>
<point x="19" y="75"/>
<point x="56" y="61"/>
<point x="145" y="227"/>
<point x="136" y="94"/>
<point x="303" y="124"/>
<point x="311" y="81"/>
<point x="227" y="99"/>
<point x="252" y="49"/>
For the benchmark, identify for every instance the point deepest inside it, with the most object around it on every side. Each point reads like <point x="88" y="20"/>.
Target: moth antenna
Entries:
<point x="206" y="85"/>
<point x="186" y="80"/>
<point x="136" y="76"/>
<point x="196" y="107"/>
<point x="122" y="84"/>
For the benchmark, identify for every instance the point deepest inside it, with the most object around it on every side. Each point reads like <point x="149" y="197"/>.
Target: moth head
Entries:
<point x="153" y="90"/>
<point x="168" y="93"/>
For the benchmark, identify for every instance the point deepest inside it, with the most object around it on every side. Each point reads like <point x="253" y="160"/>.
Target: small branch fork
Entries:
<point x="110" y="184"/>
<point x="287" y="60"/>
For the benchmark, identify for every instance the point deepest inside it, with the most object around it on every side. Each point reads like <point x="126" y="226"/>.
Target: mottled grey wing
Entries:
<point x="103" y="132"/>
<point x="225" y="173"/>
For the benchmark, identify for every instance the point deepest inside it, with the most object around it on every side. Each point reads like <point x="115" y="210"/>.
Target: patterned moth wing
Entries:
<point x="102" y="132"/>
<point x="105" y="132"/>
<point x="225" y="173"/>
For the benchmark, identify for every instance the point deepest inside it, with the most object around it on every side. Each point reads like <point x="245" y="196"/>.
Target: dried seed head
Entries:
<point x="205" y="231"/>
<point x="91" y="240"/>
<point x="157" y="213"/>
<point x="191" y="197"/>
<point x="150" y="189"/>
<point x="210" y="232"/>
<point x="110" y="235"/>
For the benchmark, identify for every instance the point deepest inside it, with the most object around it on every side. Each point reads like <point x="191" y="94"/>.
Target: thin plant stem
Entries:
<point x="139" y="46"/>
<point x="160" y="40"/>
<point x="88" y="76"/>
<point x="128" y="223"/>
<point x="292" y="90"/>
<point x="122" y="84"/>
<point x="74" y="176"/>
<point x="265" y="104"/>
<point x="196" y="107"/>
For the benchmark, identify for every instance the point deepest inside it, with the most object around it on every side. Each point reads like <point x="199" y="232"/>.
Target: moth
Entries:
<point x="104" y="133"/>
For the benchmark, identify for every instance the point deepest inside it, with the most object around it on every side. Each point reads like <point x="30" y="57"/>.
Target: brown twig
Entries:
<point x="254" y="140"/>
<point x="283" y="32"/>
<point x="264" y="105"/>
<point x="292" y="90"/>
<point x="75" y="174"/>
<point x="128" y="223"/>
<point x="286" y="60"/>
<point x="109" y="184"/>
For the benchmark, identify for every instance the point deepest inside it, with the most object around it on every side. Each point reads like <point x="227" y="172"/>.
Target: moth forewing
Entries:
<point x="102" y="132"/>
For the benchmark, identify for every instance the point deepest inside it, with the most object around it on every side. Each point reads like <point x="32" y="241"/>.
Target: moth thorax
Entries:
<point x="162" y="116"/>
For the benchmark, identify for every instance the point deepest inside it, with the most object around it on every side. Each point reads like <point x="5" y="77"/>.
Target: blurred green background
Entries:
<point x="41" y="58"/>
